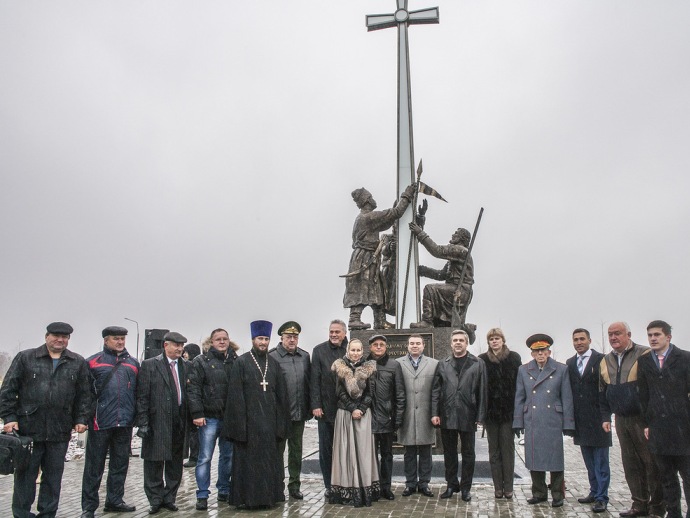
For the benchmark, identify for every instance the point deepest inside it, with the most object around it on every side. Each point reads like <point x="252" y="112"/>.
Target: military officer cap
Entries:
<point x="539" y="341"/>
<point x="172" y="336"/>
<point x="377" y="337"/>
<point x="59" y="328"/>
<point x="114" y="331"/>
<point x="290" y="327"/>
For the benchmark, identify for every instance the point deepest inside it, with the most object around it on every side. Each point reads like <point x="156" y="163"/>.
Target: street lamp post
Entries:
<point x="137" y="323"/>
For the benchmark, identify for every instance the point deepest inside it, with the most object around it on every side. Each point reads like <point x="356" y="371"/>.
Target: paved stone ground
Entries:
<point x="483" y="503"/>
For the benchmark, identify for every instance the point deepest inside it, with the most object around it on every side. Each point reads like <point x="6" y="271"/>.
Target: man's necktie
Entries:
<point x="173" y="366"/>
<point x="661" y="361"/>
<point x="581" y="365"/>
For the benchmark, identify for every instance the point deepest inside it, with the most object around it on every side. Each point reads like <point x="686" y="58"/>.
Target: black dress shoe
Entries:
<point x="557" y="503"/>
<point x="295" y="493"/>
<point x="465" y="495"/>
<point x="201" y="504"/>
<point x="426" y="491"/>
<point x="599" y="507"/>
<point x="170" y="506"/>
<point x="122" y="507"/>
<point x="154" y="509"/>
<point x="190" y="464"/>
<point x="633" y="512"/>
<point x="587" y="500"/>
<point x="408" y="491"/>
<point x="387" y="494"/>
<point x="536" y="500"/>
<point x="87" y="514"/>
<point x="449" y="492"/>
<point x="223" y="497"/>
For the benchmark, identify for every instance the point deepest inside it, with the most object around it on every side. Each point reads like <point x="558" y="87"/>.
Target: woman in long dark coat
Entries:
<point x="355" y="476"/>
<point x="502" y="367"/>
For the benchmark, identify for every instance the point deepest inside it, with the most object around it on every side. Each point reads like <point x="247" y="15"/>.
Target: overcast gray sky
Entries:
<point x="189" y="164"/>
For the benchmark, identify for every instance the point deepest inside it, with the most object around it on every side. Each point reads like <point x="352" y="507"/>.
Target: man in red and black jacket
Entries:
<point x="114" y="383"/>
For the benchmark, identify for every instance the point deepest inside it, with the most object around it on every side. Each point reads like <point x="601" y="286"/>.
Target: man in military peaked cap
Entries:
<point x="544" y="410"/>
<point x="45" y="394"/>
<point x="295" y="364"/>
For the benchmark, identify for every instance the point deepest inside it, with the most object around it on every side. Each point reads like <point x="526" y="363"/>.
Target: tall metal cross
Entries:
<point x="407" y="280"/>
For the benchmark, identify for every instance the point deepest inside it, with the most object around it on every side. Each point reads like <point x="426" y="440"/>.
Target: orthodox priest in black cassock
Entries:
<point x="258" y="416"/>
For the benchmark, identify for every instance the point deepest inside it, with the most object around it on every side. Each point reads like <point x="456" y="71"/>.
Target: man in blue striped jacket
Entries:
<point x="114" y="383"/>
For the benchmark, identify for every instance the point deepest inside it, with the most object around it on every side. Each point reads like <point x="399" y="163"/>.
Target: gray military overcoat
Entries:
<point x="416" y="428"/>
<point x="544" y="408"/>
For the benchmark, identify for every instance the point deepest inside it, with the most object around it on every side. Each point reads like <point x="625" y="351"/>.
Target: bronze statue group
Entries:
<point x="253" y="407"/>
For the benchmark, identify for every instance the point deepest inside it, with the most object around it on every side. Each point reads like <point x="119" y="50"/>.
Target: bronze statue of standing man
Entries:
<point x="363" y="284"/>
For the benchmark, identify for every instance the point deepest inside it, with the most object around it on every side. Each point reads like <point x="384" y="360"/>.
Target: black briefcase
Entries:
<point x="15" y="452"/>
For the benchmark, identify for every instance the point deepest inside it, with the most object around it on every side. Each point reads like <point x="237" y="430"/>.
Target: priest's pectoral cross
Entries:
<point x="407" y="280"/>
<point x="264" y="383"/>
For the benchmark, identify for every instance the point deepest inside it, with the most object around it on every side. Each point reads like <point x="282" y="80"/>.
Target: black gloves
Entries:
<point x="143" y="432"/>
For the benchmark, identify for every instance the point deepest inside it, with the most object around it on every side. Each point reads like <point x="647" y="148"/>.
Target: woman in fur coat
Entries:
<point x="355" y="476"/>
<point x="502" y="366"/>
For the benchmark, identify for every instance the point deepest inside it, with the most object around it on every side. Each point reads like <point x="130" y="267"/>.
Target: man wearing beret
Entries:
<point x="387" y="406"/>
<point x="295" y="364"/>
<point x="544" y="411"/>
<point x="259" y="406"/>
<point x="113" y="385"/>
<point x="162" y="421"/>
<point x="45" y="394"/>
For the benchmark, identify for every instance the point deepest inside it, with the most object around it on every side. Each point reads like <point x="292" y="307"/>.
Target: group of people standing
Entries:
<point x="363" y="404"/>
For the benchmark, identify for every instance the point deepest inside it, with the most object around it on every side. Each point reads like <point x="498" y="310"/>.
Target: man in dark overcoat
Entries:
<point x="387" y="408"/>
<point x="664" y="383"/>
<point x="593" y="440"/>
<point x="544" y="410"/>
<point x="458" y="404"/>
<point x="260" y="410"/>
<point x="323" y="399"/>
<point x="162" y="420"/>
<point x="45" y="394"/>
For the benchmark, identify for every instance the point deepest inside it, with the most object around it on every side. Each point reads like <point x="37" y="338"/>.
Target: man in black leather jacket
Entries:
<point x="388" y="407"/>
<point x="45" y="394"/>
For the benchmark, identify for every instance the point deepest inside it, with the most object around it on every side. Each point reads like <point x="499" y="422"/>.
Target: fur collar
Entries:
<point x="355" y="381"/>
<point x="497" y="358"/>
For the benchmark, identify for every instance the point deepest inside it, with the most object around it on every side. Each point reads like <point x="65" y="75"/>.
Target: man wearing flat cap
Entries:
<point x="544" y="411"/>
<point x="259" y="406"/>
<point x="387" y="390"/>
<point x="295" y="364"/>
<point x="162" y="421"/>
<point x="45" y="394"/>
<point x="113" y="386"/>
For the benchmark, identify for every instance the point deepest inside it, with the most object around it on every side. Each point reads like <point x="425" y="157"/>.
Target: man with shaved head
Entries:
<point x="619" y="396"/>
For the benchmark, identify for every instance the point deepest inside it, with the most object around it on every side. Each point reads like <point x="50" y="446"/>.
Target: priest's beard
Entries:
<point x="257" y="352"/>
